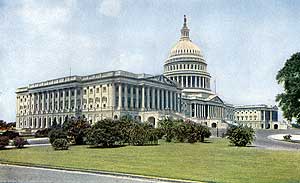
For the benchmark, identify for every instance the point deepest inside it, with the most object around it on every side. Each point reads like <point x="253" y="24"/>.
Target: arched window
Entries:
<point x="104" y="99"/>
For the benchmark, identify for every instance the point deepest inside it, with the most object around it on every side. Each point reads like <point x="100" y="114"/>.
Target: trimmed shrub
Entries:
<point x="167" y="127"/>
<point x="57" y="134"/>
<point x="287" y="137"/>
<point x="4" y="141"/>
<point x="10" y="134"/>
<point x="189" y="131"/>
<point x="240" y="135"/>
<point x="60" y="144"/>
<point x="142" y="134"/>
<point x="19" y="142"/>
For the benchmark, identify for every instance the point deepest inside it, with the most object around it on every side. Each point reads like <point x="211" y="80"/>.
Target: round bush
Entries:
<point x="240" y="135"/>
<point x="19" y="142"/>
<point x="4" y="141"/>
<point x="57" y="134"/>
<point x="60" y="144"/>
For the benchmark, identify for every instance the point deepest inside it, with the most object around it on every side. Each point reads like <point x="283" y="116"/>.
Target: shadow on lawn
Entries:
<point x="248" y="146"/>
<point x="118" y="146"/>
<point x="106" y="147"/>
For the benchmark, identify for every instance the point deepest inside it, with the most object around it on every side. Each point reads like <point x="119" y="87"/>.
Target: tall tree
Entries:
<point x="289" y="77"/>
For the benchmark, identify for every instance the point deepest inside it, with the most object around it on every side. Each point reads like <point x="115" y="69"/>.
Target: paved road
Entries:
<point x="262" y="140"/>
<point x="16" y="174"/>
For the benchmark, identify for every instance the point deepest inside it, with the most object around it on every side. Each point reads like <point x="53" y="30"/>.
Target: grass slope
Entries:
<point x="213" y="162"/>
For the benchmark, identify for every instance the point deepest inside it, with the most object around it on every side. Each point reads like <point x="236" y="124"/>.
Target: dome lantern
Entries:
<point x="185" y="30"/>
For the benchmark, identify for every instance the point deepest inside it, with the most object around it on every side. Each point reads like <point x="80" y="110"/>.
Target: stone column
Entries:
<point x="47" y="122"/>
<point x="58" y="100"/>
<point x="196" y="81"/>
<point x="34" y="102"/>
<point x="163" y="99"/>
<point x="200" y="111"/>
<point x="167" y="99"/>
<point x="208" y="112"/>
<point x="271" y="116"/>
<point x="158" y="100"/>
<point x="53" y="101"/>
<point x="191" y="110"/>
<point x="186" y="81"/>
<point x="120" y="97"/>
<point x="113" y="96"/>
<point x="171" y="100"/>
<point x="131" y="97"/>
<point x="175" y="102"/>
<point x="39" y="103"/>
<point x="153" y="98"/>
<point x="64" y="100"/>
<point x="148" y="98"/>
<point x="181" y="80"/>
<point x="137" y="97"/>
<point x="126" y="97"/>
<point x="70" y="99"/>
<point x="143" y="98"/>
<point x="75" y="100"/>
<point x="48" y="102"/>
<point x="178" y="103"/>
<point x="43" y="102"/>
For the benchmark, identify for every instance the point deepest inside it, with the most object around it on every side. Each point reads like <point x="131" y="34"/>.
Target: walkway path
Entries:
<point x="262" y="140"/>
<point x="16" y="174"/>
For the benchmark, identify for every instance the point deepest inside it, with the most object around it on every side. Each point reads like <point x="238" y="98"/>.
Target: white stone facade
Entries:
<point x="97" y="97"/>
<point x="259" y="116"/>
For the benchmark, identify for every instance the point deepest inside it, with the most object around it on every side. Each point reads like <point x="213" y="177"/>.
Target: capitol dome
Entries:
<point x="186" y="65"/>
<point x="185" y="47"/>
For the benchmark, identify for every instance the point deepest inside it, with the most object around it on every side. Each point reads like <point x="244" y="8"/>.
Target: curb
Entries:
<point x="99" y="172"/>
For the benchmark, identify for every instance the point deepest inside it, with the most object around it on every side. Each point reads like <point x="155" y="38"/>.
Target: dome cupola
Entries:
<point x="186" y="65"/>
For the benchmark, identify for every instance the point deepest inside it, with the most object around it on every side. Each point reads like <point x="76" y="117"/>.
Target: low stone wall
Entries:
<point x="38" y="141"/>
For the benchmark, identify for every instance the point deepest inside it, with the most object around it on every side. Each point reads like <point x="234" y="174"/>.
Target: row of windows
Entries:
<point x="97" y="100"/>
<point x="242" y="112"/>
<point x="241" y="118"/>
<point x="186" y="51"/>
<point x="185" y="66"/>
<point x="91" y="90"/>
<point x="96" y="106"/>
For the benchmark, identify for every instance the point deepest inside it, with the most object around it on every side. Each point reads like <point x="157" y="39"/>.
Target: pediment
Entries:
<point x="216" y="99"/>
<point x="162" y="79"/>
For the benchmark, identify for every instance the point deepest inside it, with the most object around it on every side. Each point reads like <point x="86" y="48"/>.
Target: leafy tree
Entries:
<point x="104" y="133"/>
<point x="57" y="134"/>
<point x="289" y="76"/>
<point x="240" y="135"/>
<point x="10" y="134"/>
<point x="76" y="129"/>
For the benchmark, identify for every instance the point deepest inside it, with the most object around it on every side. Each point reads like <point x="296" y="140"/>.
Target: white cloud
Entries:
<point x="132" y="62"/>
<point x="40" y="16"/>
<point x="110" y="8"/>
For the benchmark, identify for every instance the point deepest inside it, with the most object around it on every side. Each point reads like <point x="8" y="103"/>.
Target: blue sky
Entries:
<point x="245" y="43"/>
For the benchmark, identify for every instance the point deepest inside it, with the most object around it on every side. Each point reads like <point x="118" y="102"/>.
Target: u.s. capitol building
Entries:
<point x="183" y="91"/>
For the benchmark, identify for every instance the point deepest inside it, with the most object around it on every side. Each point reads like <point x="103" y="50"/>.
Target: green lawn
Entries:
<point x="215" y="161"/>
